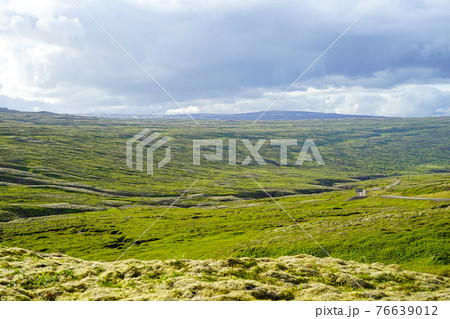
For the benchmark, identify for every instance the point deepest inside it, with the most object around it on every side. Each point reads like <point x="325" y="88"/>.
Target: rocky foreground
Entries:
<point x="28" y="275"/>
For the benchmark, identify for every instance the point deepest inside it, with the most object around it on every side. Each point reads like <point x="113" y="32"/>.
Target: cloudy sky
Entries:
<point x="225" y="56"/>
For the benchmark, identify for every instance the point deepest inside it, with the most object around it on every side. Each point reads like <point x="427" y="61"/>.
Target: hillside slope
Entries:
<point x="53" y="159"/>
<point x="411" y="233"/>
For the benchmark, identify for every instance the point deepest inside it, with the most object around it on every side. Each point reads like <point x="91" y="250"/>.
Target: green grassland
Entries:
<point x="67" y="151"/>
<point x="411" y="233"/>
<point x="64" y="187"/>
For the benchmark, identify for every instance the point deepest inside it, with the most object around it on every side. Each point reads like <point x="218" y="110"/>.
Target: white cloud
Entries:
<point x="184" y="110"/>
<point x="32" y="37"/>
<point x="226" y="56"/>
<point x="400" y="101"/>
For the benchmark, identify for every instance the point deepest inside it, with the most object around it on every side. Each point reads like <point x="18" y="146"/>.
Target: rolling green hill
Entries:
<point x="64" y="187"/>
<point x="52" y="153"/>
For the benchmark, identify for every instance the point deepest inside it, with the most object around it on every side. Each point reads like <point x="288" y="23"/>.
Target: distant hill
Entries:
<point x="251" y="116"/>
<point x="5" y="109"/>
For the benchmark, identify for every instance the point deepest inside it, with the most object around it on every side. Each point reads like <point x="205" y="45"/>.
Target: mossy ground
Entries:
<point x="28" y="275"/>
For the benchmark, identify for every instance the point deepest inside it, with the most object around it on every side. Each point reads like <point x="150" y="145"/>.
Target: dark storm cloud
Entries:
<point x="227" y="55"/>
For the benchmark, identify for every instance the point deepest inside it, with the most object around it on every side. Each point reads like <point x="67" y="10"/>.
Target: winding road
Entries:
<point x="416" y="198"/>
<point x="436" y="199"/>
<point x="406" y="197"/>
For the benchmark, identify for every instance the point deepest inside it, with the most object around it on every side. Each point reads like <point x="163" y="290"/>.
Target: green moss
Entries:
<point x="36" y="281"/>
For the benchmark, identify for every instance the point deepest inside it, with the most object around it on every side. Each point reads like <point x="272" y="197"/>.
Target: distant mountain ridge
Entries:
<point x="251" y="116"/>
<point x="5" y="109"/>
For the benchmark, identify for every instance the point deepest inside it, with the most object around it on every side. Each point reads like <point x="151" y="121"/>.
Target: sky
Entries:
<point x="225" y="56"/>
